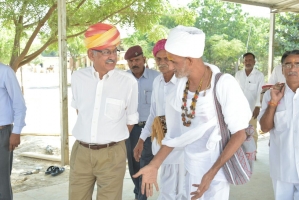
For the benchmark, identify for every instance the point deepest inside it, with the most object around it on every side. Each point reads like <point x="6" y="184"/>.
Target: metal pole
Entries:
<point x="63" y="81"/>
<point x="271" y="44"/>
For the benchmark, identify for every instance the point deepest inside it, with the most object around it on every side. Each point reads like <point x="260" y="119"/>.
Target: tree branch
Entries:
<point x="34" y="34"/>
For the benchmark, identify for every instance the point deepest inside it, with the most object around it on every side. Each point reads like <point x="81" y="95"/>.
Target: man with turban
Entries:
<point x="106" y="101"/>
<point x="199" y="130"/>
<point x="145" y="77"/>
<point x="172" y="170"/>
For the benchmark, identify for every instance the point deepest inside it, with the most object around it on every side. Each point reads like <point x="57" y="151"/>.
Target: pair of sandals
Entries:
<point x="54" y="170"/>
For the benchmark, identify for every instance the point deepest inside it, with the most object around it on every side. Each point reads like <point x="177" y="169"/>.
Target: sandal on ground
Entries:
<point x="50" y="169"/>
<point x="57" y="170"/>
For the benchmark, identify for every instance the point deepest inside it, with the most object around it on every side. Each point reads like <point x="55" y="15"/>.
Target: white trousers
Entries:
<point x="172" y="182"/>
<point x="218" y="190"/>
<point x="285" y="191"/>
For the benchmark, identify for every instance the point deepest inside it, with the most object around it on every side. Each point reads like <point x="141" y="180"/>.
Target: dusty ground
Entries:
<point x="41" y="93"/>
<point x="23" y="164"/>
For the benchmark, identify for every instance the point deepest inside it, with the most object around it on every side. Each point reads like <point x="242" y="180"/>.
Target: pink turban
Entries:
<point x="100" y="36"/>
<point x="160" y="45"/>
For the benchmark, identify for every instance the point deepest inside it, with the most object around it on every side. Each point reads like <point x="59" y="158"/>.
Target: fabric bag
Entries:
<point x="238" y="169"/>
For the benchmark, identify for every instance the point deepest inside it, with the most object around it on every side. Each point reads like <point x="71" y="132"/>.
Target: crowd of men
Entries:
<point x="164" y="121"/>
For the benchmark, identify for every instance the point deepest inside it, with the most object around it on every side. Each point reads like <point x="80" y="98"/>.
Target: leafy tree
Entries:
<point x="33" y="20"/>
<point x="287" y="33"/>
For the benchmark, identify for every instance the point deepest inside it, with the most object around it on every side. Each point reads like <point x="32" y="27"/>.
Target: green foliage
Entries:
<point x="287" y="33"/>
<point x="37" y="20"/>
<point x="224" y="53"/>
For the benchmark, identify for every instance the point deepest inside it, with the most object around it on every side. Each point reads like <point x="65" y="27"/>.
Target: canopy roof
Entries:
<point x="274" y="5"/>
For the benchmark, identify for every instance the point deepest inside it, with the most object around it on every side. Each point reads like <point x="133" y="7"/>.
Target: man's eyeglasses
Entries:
<point x="107" y="52"/>
<point x="289" y="65"/>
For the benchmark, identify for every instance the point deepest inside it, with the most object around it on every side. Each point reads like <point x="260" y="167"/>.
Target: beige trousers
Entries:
<point x="253" y="122"/>
<point x="106" y="167"/>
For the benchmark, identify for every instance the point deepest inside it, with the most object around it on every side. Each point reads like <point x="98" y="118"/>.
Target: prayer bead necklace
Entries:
<point x="185" y="113"/>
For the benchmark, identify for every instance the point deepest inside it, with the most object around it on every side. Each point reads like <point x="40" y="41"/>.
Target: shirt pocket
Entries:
<point x="252" y="86"/>
<point x="147" y="96"/>
<point x="280" y="122"/>
<point x="113" y="108"/>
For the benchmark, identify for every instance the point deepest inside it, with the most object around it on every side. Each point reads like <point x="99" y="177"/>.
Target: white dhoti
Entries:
<point x="218" y="190"/>
<point x="172" y="181"/>
<point x="285" y="191"/>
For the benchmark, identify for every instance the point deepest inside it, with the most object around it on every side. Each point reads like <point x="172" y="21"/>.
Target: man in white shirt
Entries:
<point x="106" y="101"/>
<point x="199" y="130"/>
<point x="280" y="116"/>
<point x="172" y="171"/>
<point x="251" y="81"/>
<point x="277" y="76"/>
<point x="145" y="77"/>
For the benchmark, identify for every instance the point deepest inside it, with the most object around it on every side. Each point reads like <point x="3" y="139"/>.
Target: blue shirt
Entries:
<point x="145" y="87"/>
<point x="12" y="104"/>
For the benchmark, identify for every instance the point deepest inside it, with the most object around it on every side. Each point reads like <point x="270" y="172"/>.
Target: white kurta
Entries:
<point x="201" y="139"/>
<point x="277" y="75"/>
<point x="172" y="171"/>
<point x="251" y="86"/>
<point x="284" y="137"/>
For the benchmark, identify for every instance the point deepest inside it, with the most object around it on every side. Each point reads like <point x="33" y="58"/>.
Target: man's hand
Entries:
<point x="14" y="141"/>
<point x="203" y="186"/>
<point x="138" y="149"/>
<point x="256" y="112"/>
<point x="149" y="178"/>
<point x="277" y="92"/>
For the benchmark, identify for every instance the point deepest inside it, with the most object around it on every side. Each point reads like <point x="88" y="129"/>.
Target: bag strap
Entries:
<point x="225" y="134"/>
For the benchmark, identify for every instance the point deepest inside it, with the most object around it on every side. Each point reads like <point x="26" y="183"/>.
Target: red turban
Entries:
<point x="100" y="36"/>
<point x="160" y="45"/>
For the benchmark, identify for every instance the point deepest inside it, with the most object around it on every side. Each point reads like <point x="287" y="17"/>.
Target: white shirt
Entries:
<point x="284" y="137"/>
<point x="160" y="90"/>
<point x="201" y="139"/>
<point x="277" y="76"/>
<point x="105" y="107"/>
<point x="251" y="86"/>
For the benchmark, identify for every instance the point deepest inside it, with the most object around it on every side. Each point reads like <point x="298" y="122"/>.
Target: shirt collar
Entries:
<point x="95" y="74"/>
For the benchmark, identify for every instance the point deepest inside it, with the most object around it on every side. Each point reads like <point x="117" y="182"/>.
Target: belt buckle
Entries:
<point x="140" y="123"/>
<point x="90" y="144"/>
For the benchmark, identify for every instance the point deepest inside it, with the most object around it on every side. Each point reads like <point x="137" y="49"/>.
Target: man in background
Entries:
<point x="145" y="77"/>
<point x="251" y="81"/>
<point x="12" y="121"/>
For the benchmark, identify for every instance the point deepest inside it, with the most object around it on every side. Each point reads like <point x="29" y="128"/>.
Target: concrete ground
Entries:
<point x="259" y="188"/>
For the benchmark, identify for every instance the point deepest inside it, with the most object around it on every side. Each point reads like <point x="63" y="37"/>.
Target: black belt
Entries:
<point x="141" y="123"/>
<point x="4" y="126"/>
<point x="96" y="146"/>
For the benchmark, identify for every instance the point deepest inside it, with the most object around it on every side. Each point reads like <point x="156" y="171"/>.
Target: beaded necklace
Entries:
<point x="185" y="113"/>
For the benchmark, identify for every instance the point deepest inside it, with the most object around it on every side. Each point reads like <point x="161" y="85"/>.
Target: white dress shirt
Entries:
<point x="201" y="139"/>
<point x="105" y="107"/>
<point x="160" y="90"/>
<point x="251" y="86"/>
<point x="284" y="137"/>
<point x="12" y="104"/>
<point x="277" y="76"/>
<point x="145" y="87"/>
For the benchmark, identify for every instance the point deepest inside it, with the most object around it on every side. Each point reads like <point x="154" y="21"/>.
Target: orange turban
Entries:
<point x="100" y="36"/>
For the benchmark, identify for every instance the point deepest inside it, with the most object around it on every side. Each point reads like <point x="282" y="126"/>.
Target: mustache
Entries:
<point x="109" y="61"/>
<point x="292" y="74"/>
<point x="162" y="66"/>
<point x="135" y="67"/>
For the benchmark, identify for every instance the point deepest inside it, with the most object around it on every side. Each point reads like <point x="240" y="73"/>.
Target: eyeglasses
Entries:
<point x="289" y="65"/>
<point x="107" y="52"/>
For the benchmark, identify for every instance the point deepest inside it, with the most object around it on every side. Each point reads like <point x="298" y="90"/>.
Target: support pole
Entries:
<point x="271" y="43"/>
<point x="63" y="82"/>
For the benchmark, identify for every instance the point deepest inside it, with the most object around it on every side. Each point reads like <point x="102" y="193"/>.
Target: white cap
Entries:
<point x="186" y="42"/>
